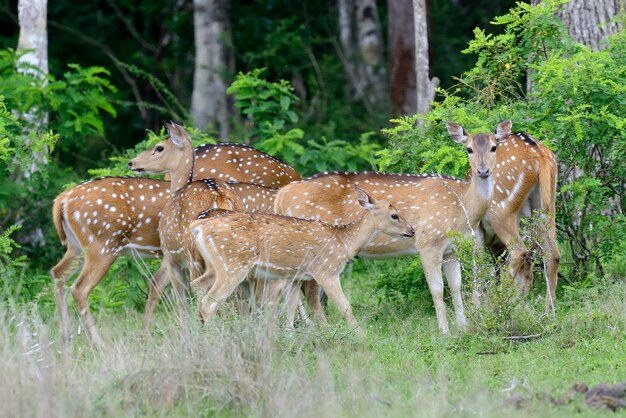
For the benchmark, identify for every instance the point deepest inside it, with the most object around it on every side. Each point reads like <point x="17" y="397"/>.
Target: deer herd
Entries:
<point x="232" y="217"/>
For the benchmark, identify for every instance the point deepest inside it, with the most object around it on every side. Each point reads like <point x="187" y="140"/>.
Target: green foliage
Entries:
<point x="266" y="104"/>
<point x="271" y="121"/>
<point x="532" y="35"/>
<point x="9" y="264"/>
<point x="74" y="104"/>
<point x="579" y="101"/>
<point x="404" y="287"/>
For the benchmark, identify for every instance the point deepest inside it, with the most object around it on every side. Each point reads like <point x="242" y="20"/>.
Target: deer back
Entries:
<point x="242" y="163"/>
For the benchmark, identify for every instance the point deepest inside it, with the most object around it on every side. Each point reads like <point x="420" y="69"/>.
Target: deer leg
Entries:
<point x="312" y="292"/>
<point x="157" y="284"/>
<point x="520" y="267"/>
<point x="332" y="286"/>
<point x="292" y="295"/>
<point x="179" y="284"/>
<point x="431" y="262"/>
<point x="202" y="284"/>
<point x="551" y="258"/>
<point x="224" y="285"/>
<point x="452" y="271"/>
<point x="60" y="274"/>
<point x="96" y="266"/>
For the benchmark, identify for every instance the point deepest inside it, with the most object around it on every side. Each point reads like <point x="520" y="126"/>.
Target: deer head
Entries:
<point x="386" y="216"/>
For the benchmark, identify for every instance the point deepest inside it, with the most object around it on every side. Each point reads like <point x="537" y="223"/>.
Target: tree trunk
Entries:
<point x="402" y="88"/>
<point x="589" y="22"/>
<point x="32" y="16"/>
<point x="360" y="35"/>
<point x="209" y="103"/>
<point x="425" y="86"/>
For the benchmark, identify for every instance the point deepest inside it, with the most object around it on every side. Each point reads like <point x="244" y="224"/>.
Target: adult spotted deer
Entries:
<point x="187" y="200"/>
<point x="524" y="182"/>
<point x="235" y="246"/>
<point x="101" y="219"/>
<point x="434" y="205"/>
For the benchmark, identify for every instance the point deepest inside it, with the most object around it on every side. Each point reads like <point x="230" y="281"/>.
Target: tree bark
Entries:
<point x="360" y="35"/>
<point x="209" y="102"/>
<point x="402" y="87"/>
<point x="589" y="22"/>
<point x="425" y="86"/>
<point x="32" y="17"/>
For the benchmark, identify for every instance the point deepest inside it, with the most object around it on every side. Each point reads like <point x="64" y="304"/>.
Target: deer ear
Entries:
<point x="363" y="198"/>
<point x="457" y="132"/>
<point x="177" y="134"/>
<point x="503" y="130"/>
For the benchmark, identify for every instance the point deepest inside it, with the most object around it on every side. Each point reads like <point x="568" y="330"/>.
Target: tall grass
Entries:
<point x="251" y="366"/>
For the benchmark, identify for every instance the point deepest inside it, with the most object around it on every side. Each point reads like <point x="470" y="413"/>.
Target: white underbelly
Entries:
<point x="142" y="251"/>
<point x="268" y="271"/>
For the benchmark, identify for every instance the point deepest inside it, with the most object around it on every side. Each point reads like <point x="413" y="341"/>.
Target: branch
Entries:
<point x="129" y="80"/>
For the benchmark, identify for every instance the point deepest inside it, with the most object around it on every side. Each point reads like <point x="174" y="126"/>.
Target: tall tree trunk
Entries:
<point x="32" y="16"/>
<point x="361" y="40"/>
<point x="424" y="84"/>
<point x="209" y="103"/>
<point x="402" y="87"/>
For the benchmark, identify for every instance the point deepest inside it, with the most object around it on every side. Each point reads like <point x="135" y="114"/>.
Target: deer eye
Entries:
<point x="493" y="149"/>
<point x="395" y="217"/>
<point x="159" y="148"/>
<point x="470" y="151"/>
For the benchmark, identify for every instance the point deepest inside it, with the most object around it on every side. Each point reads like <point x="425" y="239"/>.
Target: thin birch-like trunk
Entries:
<point x="425" y="86"/>
<point x="209" y="102"/>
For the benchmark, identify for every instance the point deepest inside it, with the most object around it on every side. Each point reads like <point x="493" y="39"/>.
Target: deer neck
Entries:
<point x="477" y="197"/>
<point x="183" y="174"/>
<point x="355" y="235"/>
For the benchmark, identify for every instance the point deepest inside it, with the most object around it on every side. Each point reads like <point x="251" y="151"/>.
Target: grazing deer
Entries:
<point x="524" y="181"/>
<point x="235" y="246"/>
<point x="433" y="204"/>
<point x="107" y="217"/>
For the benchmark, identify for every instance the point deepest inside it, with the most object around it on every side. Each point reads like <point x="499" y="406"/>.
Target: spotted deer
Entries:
<point x="187" y="200"/>
<point x="104" y="218"/>
<point x="235" y="246"/>
<point x="524" y="182"/>
<point x="433" y="204"/>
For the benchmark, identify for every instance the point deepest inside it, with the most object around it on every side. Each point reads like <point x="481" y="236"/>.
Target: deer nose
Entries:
<point x="130" y="164"/>
<point x="410" y="233"/>
<point x="483" y="173"/>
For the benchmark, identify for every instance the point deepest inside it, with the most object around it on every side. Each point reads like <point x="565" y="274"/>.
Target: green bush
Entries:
<point x="271" y="126"/>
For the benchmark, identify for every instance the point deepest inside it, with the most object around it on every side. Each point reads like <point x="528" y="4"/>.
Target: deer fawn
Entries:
<point x="112" y="216"/>
<point x="433" y="204"/>
<point x="235" y="246"/>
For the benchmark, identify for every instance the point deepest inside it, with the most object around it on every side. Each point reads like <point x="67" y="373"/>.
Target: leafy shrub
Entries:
<point x="271" y="127"/>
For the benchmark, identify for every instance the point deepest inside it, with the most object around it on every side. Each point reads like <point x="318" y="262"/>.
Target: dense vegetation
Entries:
<point x="576" y="106"/>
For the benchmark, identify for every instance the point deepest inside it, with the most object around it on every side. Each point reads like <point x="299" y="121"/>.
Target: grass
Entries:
<point x="250" y="366"/>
